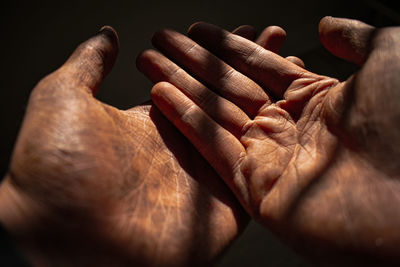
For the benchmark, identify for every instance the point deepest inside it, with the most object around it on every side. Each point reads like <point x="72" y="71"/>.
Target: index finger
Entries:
<point x="211" y="70"/>
<point x="265" y="67"/>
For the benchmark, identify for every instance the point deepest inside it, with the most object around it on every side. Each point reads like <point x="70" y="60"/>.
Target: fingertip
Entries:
<point x="325" y="21"/>
<point x="200" y="28"/>
<point x="93" y="59"/>
<point x="111" y="34"/>
<point x="195" y="26"/>
<point x="276" y="30"/>
<point x="157" y="35"/>
<point x="246" y="31"/>
<point x="163" y="38"/>
<point x="346" y="38"/>
<point x="148" y="62"/>
<point x="106" y="44"/>
<point x="327" y="30"/>
<point x="142" y="58"/>
<point x="167" y="98"/>
<point x="160" y="88"/>
<point x="272" y="38"/>
<point x="297" y="61"/>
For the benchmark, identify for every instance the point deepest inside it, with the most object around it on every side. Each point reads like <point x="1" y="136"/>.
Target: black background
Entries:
<point x="37" y="37"/>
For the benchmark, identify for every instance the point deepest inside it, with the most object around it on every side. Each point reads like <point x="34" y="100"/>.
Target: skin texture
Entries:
<point x="313" y="159"/>
<point x="91" y="185"/>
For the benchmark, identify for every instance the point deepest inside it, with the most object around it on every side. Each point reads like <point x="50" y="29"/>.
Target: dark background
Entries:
<point x="37" y="37"/>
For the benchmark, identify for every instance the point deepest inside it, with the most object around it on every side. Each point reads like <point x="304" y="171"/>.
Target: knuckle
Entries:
<point x="253" y="56"/>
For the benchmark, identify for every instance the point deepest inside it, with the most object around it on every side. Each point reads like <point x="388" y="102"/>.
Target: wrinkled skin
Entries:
<point x="91" y="185"/>
<point x="311" y="158"/>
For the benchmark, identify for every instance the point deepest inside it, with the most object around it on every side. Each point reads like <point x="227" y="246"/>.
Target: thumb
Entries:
<point x="346" y="38"/>
<point x="93" y="59"/>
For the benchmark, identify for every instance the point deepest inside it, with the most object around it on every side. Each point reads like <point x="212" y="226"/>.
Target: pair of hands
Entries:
<point x="313" y="159"/>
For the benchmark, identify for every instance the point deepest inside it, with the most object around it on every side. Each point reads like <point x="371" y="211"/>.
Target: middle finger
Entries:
<point x="230" y="83"/>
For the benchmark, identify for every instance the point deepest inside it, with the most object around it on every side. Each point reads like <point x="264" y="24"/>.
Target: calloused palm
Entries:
<point x="314" y="159"/>
<point x="91" y="185"/>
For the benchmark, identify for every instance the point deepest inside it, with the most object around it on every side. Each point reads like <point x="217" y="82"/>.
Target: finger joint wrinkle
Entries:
<point x="190" y="49"/>
<point x="254" y="55"/>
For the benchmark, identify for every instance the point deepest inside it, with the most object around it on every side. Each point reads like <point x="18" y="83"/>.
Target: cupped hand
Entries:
<point x="314" y="159"/>
<point x="91" y="185"/>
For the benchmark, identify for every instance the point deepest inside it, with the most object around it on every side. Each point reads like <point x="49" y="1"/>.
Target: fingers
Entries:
<point x="296" y="60"/>
<point x="211" y="70"/>
<point x="266" y="68"/>
<point x="158" y="68"/>
<point x="346" y="38"/>
<point x="272" y="38"/>
<point x="92" y="60"/>
<point x="246" y="31"/>
<point x="216" y="144"/>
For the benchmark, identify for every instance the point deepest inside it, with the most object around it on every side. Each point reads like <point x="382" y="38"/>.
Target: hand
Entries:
<point x="91" y="185"/>
<point x="313" y="159"/>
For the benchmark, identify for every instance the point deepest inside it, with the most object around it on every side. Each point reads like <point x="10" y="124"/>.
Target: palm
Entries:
<point x="314" y="165"/>
<point x="111" y="187"/>
<point x="288" y="142"/>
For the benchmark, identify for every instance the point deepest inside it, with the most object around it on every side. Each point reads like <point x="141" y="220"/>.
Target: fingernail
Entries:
<point x="110" y="33"/>
<point x="107" y="30"/>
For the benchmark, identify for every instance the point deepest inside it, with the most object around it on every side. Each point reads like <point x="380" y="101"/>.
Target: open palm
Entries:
<point x="312" y="158"/>
<point x="91" y="185"/>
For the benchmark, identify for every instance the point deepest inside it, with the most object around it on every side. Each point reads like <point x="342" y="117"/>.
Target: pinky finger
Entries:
<point x="246" y="31"/>
<point x="272" y="38"/>
<point x="218" y="146"/>
<point x="297" y="61"/>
